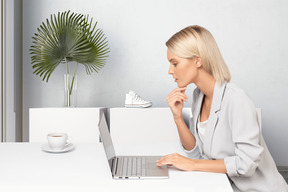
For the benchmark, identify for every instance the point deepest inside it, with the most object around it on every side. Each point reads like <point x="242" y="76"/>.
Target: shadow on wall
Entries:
<point x="284" y="172"/>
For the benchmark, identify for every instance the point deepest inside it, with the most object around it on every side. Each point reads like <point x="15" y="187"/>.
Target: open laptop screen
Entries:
<point x="106" y="139"/>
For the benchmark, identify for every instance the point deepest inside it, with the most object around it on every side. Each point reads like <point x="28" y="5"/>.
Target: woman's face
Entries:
<point x="184" y="71"/>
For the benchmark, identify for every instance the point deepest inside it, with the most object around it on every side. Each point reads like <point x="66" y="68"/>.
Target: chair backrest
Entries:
<point x="81" y="124"/>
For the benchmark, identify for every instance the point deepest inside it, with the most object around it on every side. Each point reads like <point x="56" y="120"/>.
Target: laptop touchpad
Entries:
<point x="152" y="165"/>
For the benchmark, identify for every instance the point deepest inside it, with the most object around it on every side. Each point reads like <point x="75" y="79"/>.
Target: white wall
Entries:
<point x="252" y="36"/>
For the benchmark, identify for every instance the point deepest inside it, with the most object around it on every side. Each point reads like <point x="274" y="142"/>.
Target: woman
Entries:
<point x="226" y="137"/>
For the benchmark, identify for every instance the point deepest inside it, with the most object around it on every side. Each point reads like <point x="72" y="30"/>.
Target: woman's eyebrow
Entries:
<point x="171" y="60"/>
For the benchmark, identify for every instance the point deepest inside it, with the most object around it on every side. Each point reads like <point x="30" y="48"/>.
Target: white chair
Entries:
<point x="81" y="124"/>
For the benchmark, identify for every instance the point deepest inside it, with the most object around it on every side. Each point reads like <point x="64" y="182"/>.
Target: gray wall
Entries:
<point x="12" y="71"/>
<point x="1" y="63"/>
<point x="18" y="102"/>
<point x="252" y="36"/>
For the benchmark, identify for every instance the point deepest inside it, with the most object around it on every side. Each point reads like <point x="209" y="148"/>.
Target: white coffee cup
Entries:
<point x="57" y="141"/>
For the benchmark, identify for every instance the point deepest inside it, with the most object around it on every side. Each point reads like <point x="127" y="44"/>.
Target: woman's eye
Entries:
<point x="174" y="64"/>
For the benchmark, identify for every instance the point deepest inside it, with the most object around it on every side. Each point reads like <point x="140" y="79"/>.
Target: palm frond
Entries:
<point x="73" y="37"/>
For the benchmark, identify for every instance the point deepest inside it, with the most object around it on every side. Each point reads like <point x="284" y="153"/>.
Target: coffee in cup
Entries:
<point x="57" y="141"/>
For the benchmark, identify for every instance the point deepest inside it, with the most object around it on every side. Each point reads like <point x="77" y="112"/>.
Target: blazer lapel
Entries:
<point x="213" y="117"/>
<point x="197" y="107"/>
<point x="195" y="112"/>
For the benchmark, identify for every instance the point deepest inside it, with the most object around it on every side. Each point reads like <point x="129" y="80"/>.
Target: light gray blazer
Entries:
<point x="233" y="134"/>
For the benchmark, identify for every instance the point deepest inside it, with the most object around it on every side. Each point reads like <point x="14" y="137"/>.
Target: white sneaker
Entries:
<point x="134" y="100"/>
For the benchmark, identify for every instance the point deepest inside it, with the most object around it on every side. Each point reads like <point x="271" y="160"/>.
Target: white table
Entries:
<point x="24" y="167"/>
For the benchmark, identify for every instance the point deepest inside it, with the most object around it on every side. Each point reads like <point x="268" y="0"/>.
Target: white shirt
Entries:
<point x="201" y="126"/>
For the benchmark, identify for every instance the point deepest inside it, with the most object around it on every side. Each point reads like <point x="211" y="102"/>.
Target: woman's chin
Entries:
<point x="181" y="85"/>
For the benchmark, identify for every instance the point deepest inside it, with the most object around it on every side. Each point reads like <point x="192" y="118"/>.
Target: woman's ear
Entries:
<point x="198" y="62"/>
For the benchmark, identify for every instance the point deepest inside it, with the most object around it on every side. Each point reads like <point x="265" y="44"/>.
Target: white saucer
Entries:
<point x="67" y="148"/>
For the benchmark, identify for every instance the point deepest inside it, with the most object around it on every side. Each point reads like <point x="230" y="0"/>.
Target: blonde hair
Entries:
<point x="197" y="41"/>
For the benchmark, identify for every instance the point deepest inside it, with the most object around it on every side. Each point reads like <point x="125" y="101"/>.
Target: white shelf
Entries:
<point x="132" y="128"/>
<point x="81" y="124"/>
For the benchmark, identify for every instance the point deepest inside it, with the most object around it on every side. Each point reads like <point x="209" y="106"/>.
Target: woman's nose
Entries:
<point x="170" y="71"/>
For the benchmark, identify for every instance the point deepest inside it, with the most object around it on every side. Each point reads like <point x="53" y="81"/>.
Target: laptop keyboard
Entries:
<point x="133" y="166"/>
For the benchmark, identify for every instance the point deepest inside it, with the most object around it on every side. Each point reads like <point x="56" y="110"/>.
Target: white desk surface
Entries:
<point x="24" y="167"/>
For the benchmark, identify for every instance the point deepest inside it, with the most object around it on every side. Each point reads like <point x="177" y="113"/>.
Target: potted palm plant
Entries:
<point x="64" y="38"/>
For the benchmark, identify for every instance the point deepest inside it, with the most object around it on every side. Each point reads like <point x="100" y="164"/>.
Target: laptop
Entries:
<point x="129" y="167"/>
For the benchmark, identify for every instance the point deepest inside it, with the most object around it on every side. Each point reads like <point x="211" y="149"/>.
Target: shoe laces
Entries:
<point x="136" y="97"/>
